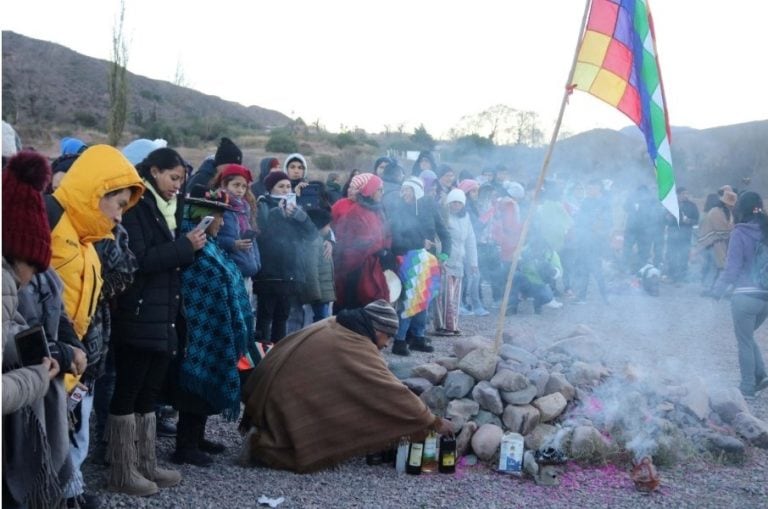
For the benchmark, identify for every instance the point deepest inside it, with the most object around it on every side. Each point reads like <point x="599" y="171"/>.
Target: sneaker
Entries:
<point x="191" y="456"/>
<point x="442" y="332"/>
<point x="400" y="348"/>
<point x="482" y="312"/>
<point x="464" y="311"/>
<point x="554" y="304"/>
<point x="421" y="345"/>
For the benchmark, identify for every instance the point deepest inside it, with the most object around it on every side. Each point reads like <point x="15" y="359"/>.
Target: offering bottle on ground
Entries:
<point x="413" y="466"/>
<point x="429" y="461"/>
<point x="447" y="458"/>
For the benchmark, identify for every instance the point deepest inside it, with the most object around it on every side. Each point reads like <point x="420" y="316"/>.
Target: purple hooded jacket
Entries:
<point x="739" y="261"/>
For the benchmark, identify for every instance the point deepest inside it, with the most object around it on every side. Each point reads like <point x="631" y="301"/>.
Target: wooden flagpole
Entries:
<point x="537" y="190"/>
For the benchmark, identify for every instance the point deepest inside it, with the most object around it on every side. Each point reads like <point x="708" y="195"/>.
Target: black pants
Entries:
<point x="271" y="315"/>
<point x="139" y="379"/>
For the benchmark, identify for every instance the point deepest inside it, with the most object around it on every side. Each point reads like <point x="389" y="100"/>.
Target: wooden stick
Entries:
<point x="537" y="190"/>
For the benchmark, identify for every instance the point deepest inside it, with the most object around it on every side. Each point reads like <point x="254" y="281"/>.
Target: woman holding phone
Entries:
<point x="285" y="233"/>
<point x="145" y="324"/>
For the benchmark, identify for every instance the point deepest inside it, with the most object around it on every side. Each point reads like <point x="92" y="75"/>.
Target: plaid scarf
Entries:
<point x="219" y="325"/>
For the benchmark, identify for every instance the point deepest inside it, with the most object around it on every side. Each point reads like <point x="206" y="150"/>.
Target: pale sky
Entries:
<point x="369" y="64"/>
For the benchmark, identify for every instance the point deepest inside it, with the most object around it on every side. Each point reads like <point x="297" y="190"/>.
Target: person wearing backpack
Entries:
<point x="746" y="270"/>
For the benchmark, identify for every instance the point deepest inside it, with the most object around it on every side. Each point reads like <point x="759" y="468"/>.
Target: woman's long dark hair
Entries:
<point x="748" y="208"/>
<point x="345" y="189"/>
<point x="163" y="159"/>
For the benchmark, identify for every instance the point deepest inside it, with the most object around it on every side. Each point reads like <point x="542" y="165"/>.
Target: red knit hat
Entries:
<point x="366" y="184"/>
<point x="231" y="170"/>
<point x="26" y="234"/>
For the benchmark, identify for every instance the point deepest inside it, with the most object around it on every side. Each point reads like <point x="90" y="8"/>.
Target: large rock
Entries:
<point x="515" y="353"/>
<point x="587" y="444"/>
<point x="460" y="411"/>
<point x="752" y="429"/>
<point x="521" y="418"/>
<point x="449" y="363"/>
<point x="486" y="417"/>
<point x="435" y="399"/>
<point x="542" y="435"/>
<point x="696" y="398"/>
<point x="509" y="381"/>
<point x="465" y="345"/>
<point x="727" y="403"/>
<point x="511" y="365"/>
<point x="486" y="441"/>
<point x="539" y="377"/>
<point x="458" y="384"/>
<point x="558" y="383"/>
<point x="582" y="373"/>
<point x="480" y="364"/>
<point x="584" y="348"/>
<point x="431" y="371"/>
<point x="521" y="397"/>
<point x="732" y="447"/>
<point x="488" y="397"/>
<point x="550" y="406"/>
<point x="417" y="385"/>
<point x="464" y="438"/>
<point x="401" y="370"/>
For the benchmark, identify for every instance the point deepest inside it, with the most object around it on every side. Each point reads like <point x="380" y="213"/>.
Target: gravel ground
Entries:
<point x="678" y="333"/>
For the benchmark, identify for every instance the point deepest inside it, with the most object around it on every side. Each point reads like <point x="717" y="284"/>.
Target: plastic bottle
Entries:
<point x="402" y="455"/>
<point x="429" y="458"/>
<point x="447" y="461"/>
<point x="414" y="458"/>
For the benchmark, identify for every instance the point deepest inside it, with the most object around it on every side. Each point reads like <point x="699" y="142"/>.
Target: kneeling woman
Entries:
<point x="325" y="394"/>
<point x="219" y="323"/>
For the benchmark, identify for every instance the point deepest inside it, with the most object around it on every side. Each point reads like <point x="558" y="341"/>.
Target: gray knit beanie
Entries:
<point x="383" y="316"/>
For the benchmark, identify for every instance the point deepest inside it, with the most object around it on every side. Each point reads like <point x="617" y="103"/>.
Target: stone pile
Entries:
<point x="566" y="397"/>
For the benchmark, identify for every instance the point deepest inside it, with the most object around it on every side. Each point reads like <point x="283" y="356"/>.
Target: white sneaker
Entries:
<point x="464" y="311"/>
<point x="554" y="304"/>
<point x="482" y="312"/>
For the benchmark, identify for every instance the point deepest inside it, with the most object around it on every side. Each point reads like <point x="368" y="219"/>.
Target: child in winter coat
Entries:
<point x="237" y="235"/>
<point x="318" y="290"/>
<point x="463" y="252"/>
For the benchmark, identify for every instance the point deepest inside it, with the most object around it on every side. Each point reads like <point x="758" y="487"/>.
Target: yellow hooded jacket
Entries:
<point x="99" y="170"/>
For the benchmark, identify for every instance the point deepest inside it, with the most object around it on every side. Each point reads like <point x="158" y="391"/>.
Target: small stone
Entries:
<point x="458" y="384"/>
<point x="435" y="399"/>
<point x="541" y="434"/>
<point x="550" y="406"/>
<point x="464" y="438"/>
<point x="752" y="429"/>
<point x="509" y="381"/>
<point x="480" y="364"/>
<point x="558" y="383"/>
<point x="488" y="397"/>
<point x="463" y="346"/>
<point x="486" y="441"/>
<point x="486" y="417"/>
<point x="521" y="418"/>
<point x="582" y="347"/>
<point x="732" y="446"/>
<point x="401" y="370"/>
<point x="539" y="377"/>
<point x="417" y="385"/>
<point x="461" y="410"/>
<point x="431" y="371"/>
<point x="728" y="403"/>
<point x="530" y="466"/>
<point x="582" y="373"/>
<point x="509" y="352"/>
<point x="449" y="363"/>
<point x="588" y="444"/>
<point x="522" y="397"/>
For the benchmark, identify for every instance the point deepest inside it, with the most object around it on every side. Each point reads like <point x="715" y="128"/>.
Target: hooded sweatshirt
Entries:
<point x="98" y="171"/>
<point x="265" y="165"/>
<point x="738" y="264"/>
<point x="291" y="157"/>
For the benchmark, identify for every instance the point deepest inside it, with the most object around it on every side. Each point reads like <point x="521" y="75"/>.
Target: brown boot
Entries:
<point x="124" y="476"/>
<point x="146" y="425"/>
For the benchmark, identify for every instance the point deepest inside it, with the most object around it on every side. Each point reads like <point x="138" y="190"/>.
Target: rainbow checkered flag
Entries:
<point x="420" y="273"/>
<point x="617" y="63"/>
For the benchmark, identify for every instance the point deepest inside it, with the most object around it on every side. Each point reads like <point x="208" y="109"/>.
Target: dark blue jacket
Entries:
<point x="249" y="262"/>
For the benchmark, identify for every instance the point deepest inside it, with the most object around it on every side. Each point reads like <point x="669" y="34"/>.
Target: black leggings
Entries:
<point x="272" y="313"/>
<point x="139" y="379"/>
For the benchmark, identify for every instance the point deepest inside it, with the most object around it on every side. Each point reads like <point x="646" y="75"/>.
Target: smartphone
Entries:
<point x="32" y="346"/>
<point x="290" y="199"/>
<point x="204" y="223"/>
<point x="310" y="196"/>
<point x="76" y="397"/>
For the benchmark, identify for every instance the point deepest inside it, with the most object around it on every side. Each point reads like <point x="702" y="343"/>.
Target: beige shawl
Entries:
<point x="714" y="231"/>
<point x="323" y="395"/>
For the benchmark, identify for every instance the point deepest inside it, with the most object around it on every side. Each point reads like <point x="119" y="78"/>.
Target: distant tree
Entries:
<point x="502" y="125"/>
<point x="282" y="141"/>
<point x="526" y="129"/>
<point x="422" y="138"/>
<point x="179" y="77"/>
<point x="118" y="82"/>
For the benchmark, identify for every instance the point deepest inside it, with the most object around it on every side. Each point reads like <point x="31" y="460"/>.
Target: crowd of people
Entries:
<point x="157" y="285"/>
